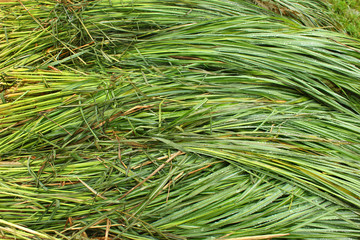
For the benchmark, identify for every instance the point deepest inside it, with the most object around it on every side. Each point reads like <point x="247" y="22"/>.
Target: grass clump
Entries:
<point x="177" y="120"/>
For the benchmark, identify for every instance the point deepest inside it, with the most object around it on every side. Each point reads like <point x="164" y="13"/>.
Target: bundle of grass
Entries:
<point x="96" y="33"/>
<point x="206" y="120"/>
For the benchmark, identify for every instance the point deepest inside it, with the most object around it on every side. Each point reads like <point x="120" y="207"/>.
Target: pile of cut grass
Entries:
<point x="177" y="120"/>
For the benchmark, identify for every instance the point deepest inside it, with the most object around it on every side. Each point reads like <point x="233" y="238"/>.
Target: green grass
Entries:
<point x="347" y="12"/>
<point x="178" y="120"/>
<point x="338" y="15"/>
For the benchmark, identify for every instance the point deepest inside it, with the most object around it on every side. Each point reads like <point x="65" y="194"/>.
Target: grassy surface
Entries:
<point x="178" y="120"/>
<point x="348" y="14"/>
